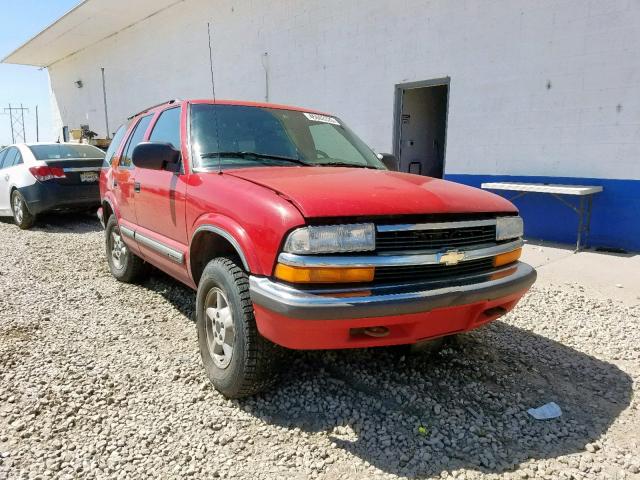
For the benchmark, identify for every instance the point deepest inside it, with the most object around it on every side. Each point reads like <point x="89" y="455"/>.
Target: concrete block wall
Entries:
<point x="547" y="89"/>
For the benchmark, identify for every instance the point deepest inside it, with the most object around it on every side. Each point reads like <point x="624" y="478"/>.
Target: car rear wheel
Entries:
<point x="21" y="214"/>
<point x="125" y="265"/>
<point x="237" y="359"/>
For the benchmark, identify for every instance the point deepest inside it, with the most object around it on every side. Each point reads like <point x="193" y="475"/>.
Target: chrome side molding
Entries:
<point x="161" y="248"/>
<point x="171" y="253"/>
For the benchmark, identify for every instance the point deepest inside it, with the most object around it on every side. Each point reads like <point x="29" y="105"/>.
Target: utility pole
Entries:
<point x="16" y="115"/>
<point x="104" y="98"/>
<point x="37" y="126"/>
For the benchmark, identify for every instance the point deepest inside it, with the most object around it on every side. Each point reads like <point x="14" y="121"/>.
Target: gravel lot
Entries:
<point x="103" y="380"/>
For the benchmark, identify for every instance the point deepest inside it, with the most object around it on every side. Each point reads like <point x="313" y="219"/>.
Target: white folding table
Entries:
<point x="583" y="192"/>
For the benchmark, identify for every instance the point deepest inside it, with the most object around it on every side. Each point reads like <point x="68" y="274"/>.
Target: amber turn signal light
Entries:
<point x="506" y="258"/>
<point x="323" y="274"/>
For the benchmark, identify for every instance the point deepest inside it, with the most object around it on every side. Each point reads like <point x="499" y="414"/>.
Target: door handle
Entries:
<point x="115" y="183"/>
<point x="6" y="177"/>
<point x="136" y="187"/>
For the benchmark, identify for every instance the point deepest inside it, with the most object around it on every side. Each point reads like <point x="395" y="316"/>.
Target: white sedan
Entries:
<point x="41" y="177"/>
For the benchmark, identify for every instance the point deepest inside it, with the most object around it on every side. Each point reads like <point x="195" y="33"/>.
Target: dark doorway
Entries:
<point x="421" y="126"/>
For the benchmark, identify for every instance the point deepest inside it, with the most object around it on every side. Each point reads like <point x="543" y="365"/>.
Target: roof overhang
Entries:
<point x="85" y="25"/>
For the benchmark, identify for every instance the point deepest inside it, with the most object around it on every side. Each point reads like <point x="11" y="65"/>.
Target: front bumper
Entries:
<point x="395" y="300"/>
<point x="320" y="319"/>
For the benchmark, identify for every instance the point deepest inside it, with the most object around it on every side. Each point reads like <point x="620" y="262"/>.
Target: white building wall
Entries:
<point x="545" y="87"/>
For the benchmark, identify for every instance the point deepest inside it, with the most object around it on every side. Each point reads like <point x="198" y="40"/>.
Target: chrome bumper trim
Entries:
<point x="393" y="260"/>
<point x="81" y="169"/>
<point x="389" y="300"/>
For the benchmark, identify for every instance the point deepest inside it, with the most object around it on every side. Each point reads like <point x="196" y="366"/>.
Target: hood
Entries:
<point x="352" y="192"/>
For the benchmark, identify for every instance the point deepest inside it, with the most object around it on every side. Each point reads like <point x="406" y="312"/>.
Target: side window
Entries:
<point x="135" y="138"/>
<point x="17" y="160"/>
<point x="114" y="146"/>
<point x="336" y="147"/>
<point x="3" y="153"/>
<point x="11" y="157"/>
<point x="167" y="128"/>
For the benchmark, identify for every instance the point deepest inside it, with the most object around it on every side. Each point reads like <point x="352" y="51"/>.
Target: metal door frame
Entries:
<point x="399" y="90"/>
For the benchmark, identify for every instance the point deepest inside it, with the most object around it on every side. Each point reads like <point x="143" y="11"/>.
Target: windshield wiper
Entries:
<point x="253" y="156"/>
<point x="345" y="164"/>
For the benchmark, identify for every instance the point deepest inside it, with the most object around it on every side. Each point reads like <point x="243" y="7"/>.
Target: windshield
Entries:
<point x="65" y="151"/>
<point x="235" y="136"/>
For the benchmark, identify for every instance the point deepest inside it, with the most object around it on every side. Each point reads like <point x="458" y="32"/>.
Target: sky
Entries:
<point x="19" y="84"/>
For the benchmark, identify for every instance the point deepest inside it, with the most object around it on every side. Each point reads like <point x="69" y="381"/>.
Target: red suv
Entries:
<point x="296" y="235"/>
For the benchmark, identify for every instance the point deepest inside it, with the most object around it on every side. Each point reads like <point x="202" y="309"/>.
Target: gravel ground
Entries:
<point x="103" y="380"/>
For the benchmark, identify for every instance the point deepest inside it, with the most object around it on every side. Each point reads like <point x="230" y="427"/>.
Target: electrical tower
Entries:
<point x="16" y="115"/>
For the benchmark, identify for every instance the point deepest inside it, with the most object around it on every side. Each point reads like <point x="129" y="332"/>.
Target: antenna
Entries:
<point x="213" y="92"/>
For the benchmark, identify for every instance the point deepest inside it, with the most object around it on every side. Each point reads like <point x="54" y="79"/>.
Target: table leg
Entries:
<point x="580" y="225"/>
<point x="588" y="224"/>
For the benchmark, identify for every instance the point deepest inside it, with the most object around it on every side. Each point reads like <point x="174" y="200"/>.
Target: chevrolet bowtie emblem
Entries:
<point x="452" y="257"/>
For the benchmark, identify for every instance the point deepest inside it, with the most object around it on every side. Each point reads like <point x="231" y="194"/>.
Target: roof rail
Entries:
<point x="168" y="102"/>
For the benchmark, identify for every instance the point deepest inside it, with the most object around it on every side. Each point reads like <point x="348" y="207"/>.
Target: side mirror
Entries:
<point x="156" y="156"/>
<point x="389" y="160"/>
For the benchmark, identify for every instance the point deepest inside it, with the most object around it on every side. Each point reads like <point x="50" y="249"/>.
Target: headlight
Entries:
<point x="332" y="239"/>
<point x="509" y="227"/>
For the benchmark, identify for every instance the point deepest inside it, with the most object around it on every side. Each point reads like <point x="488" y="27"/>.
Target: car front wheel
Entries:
<point x="237" y="359"/>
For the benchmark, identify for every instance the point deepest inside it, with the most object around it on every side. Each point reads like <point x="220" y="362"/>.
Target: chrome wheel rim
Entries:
<point x="118" y="248"/>
<point x="220" y="329"/>
<point x="17" y="208"/>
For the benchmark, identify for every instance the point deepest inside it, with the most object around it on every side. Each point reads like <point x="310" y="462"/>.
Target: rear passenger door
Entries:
<point x="160" y="201"/>
<point x="123" y="179"/>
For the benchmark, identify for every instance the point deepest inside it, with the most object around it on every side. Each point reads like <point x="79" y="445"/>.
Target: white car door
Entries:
<point x="14" y="173"/>
<point x="5" y="176"/>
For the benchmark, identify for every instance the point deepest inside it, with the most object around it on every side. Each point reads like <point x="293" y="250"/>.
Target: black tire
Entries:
<point x="22" y="217"/>
<point x="128" y="268"/>
<point x="253" y="364"/>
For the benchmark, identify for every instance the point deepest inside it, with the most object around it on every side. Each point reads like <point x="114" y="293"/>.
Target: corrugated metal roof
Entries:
<point x="88" y="23"/>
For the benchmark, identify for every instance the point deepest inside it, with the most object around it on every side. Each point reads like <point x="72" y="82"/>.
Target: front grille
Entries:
<point x="420" y="273"/>
<point x="445" y="238"/>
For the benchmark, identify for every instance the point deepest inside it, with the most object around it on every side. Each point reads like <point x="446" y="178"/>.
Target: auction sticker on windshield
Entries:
<point x="316" y="117"/>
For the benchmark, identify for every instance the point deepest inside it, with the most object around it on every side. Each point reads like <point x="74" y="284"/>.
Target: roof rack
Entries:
<point x="168" y="102"/>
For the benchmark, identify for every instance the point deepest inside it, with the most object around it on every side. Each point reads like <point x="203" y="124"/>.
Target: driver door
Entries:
<point x="160" y="203"/>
